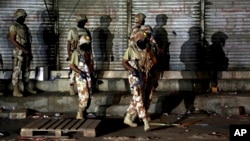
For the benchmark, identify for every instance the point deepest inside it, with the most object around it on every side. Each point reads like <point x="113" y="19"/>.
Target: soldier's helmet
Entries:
<point x="81" y="17"/>
<point x="140" y="17"/>
<point x="20" y="13"/>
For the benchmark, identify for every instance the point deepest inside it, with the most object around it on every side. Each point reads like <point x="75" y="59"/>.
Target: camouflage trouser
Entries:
<point x="21" y="65"/>
<point x="84" y="90"/>
<point x="136" y="104"/>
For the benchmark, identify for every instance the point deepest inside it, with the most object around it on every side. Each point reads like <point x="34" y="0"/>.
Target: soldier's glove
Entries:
<point x="135" y="73"/>
<point x="83" y="75"/>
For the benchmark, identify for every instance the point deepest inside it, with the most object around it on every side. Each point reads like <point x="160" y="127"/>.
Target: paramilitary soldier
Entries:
<point x="20" y="37"/>
<point x="74" y="37"/>
<point x="82" y="65"/>
<point x="139" y="60"/>
<point x="140" y="26"/>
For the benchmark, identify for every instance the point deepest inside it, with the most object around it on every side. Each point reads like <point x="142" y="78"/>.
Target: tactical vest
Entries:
<point x="142" y="60"/>
<point x="23" y="35"/>
<point x="82" y="62"/>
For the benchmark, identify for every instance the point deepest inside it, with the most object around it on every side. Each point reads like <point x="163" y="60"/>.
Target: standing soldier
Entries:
<point x="82" y="65"/>
<point x="20" y="37"/>
<point x="140" y="26"/>
<point x="73" y="42"/>
<point x="139" y="60"/>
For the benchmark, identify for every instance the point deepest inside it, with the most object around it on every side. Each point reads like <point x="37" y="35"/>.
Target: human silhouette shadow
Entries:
<point x="103" y="43"/>
<point x="216" y="59"/>
<point x="160" y="35"/>
<point x="46" y="38"/>
<point x="192" y="56"/>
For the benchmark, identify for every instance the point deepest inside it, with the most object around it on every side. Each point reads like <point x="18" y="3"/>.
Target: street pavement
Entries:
<point x="196" y="126"/>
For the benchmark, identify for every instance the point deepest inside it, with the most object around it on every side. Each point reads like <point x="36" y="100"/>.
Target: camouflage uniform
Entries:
<point x="21" y="64"/>
<point x="73" y="38"/>
<point x="139" y="20"/>
<point x="142" y="60"/>
<point x="81" y="59"/>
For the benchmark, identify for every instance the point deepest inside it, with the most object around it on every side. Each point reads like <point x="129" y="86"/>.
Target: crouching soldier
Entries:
<point x="139" y="60"/>
<point x="81" y="65"/>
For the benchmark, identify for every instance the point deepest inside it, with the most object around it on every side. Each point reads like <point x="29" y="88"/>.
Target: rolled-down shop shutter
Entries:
<point x="232" y="18"/>
<point x="40" y="20"/>
<point x="98" y="12"/>
<point x="182" y="17"/>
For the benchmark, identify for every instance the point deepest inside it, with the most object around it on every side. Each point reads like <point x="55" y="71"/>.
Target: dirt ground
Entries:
<point x="199" y="126"/>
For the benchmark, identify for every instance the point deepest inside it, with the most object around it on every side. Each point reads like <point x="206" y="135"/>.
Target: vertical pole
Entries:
<point x="202" y="16"/>
<point x="129" y="18"/>
<point x="56" y="9"/>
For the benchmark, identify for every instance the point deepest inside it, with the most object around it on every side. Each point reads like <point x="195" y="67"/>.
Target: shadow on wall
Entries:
<point x="216" y="59"/>
<point x="160" y="35"/>
<point x="103" y="43"/>
<point x="46" y="38"/>
<point x="206" y="61"/>
<point x="6" y="48"/>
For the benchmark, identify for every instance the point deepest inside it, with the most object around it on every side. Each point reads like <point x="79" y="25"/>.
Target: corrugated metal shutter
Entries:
<point x="182" y="15"/>
<point x="232" y="18"/>
<point x="94" y="10"/>
<point x="40" y="24"/>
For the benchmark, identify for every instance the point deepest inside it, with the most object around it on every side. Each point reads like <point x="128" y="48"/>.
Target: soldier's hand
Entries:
<point x="83" y="75"/>
<point x="25" y="51"/>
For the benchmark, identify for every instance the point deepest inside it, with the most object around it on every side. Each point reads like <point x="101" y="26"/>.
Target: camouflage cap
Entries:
<point x="81" y="17"/>
<point x="19" y="13"/>
<point x="139" y="17"/>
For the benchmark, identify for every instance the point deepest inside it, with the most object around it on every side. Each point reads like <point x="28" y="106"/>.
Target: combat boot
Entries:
<point x="146" y="124"/>
<point x="71" y="89"/>
<point x="134" y="116"/>
<point x="16" y="91"/>
<point x="29" y="90"/>
<point x="128" y="120"/>
<point x="79" y="114"/>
